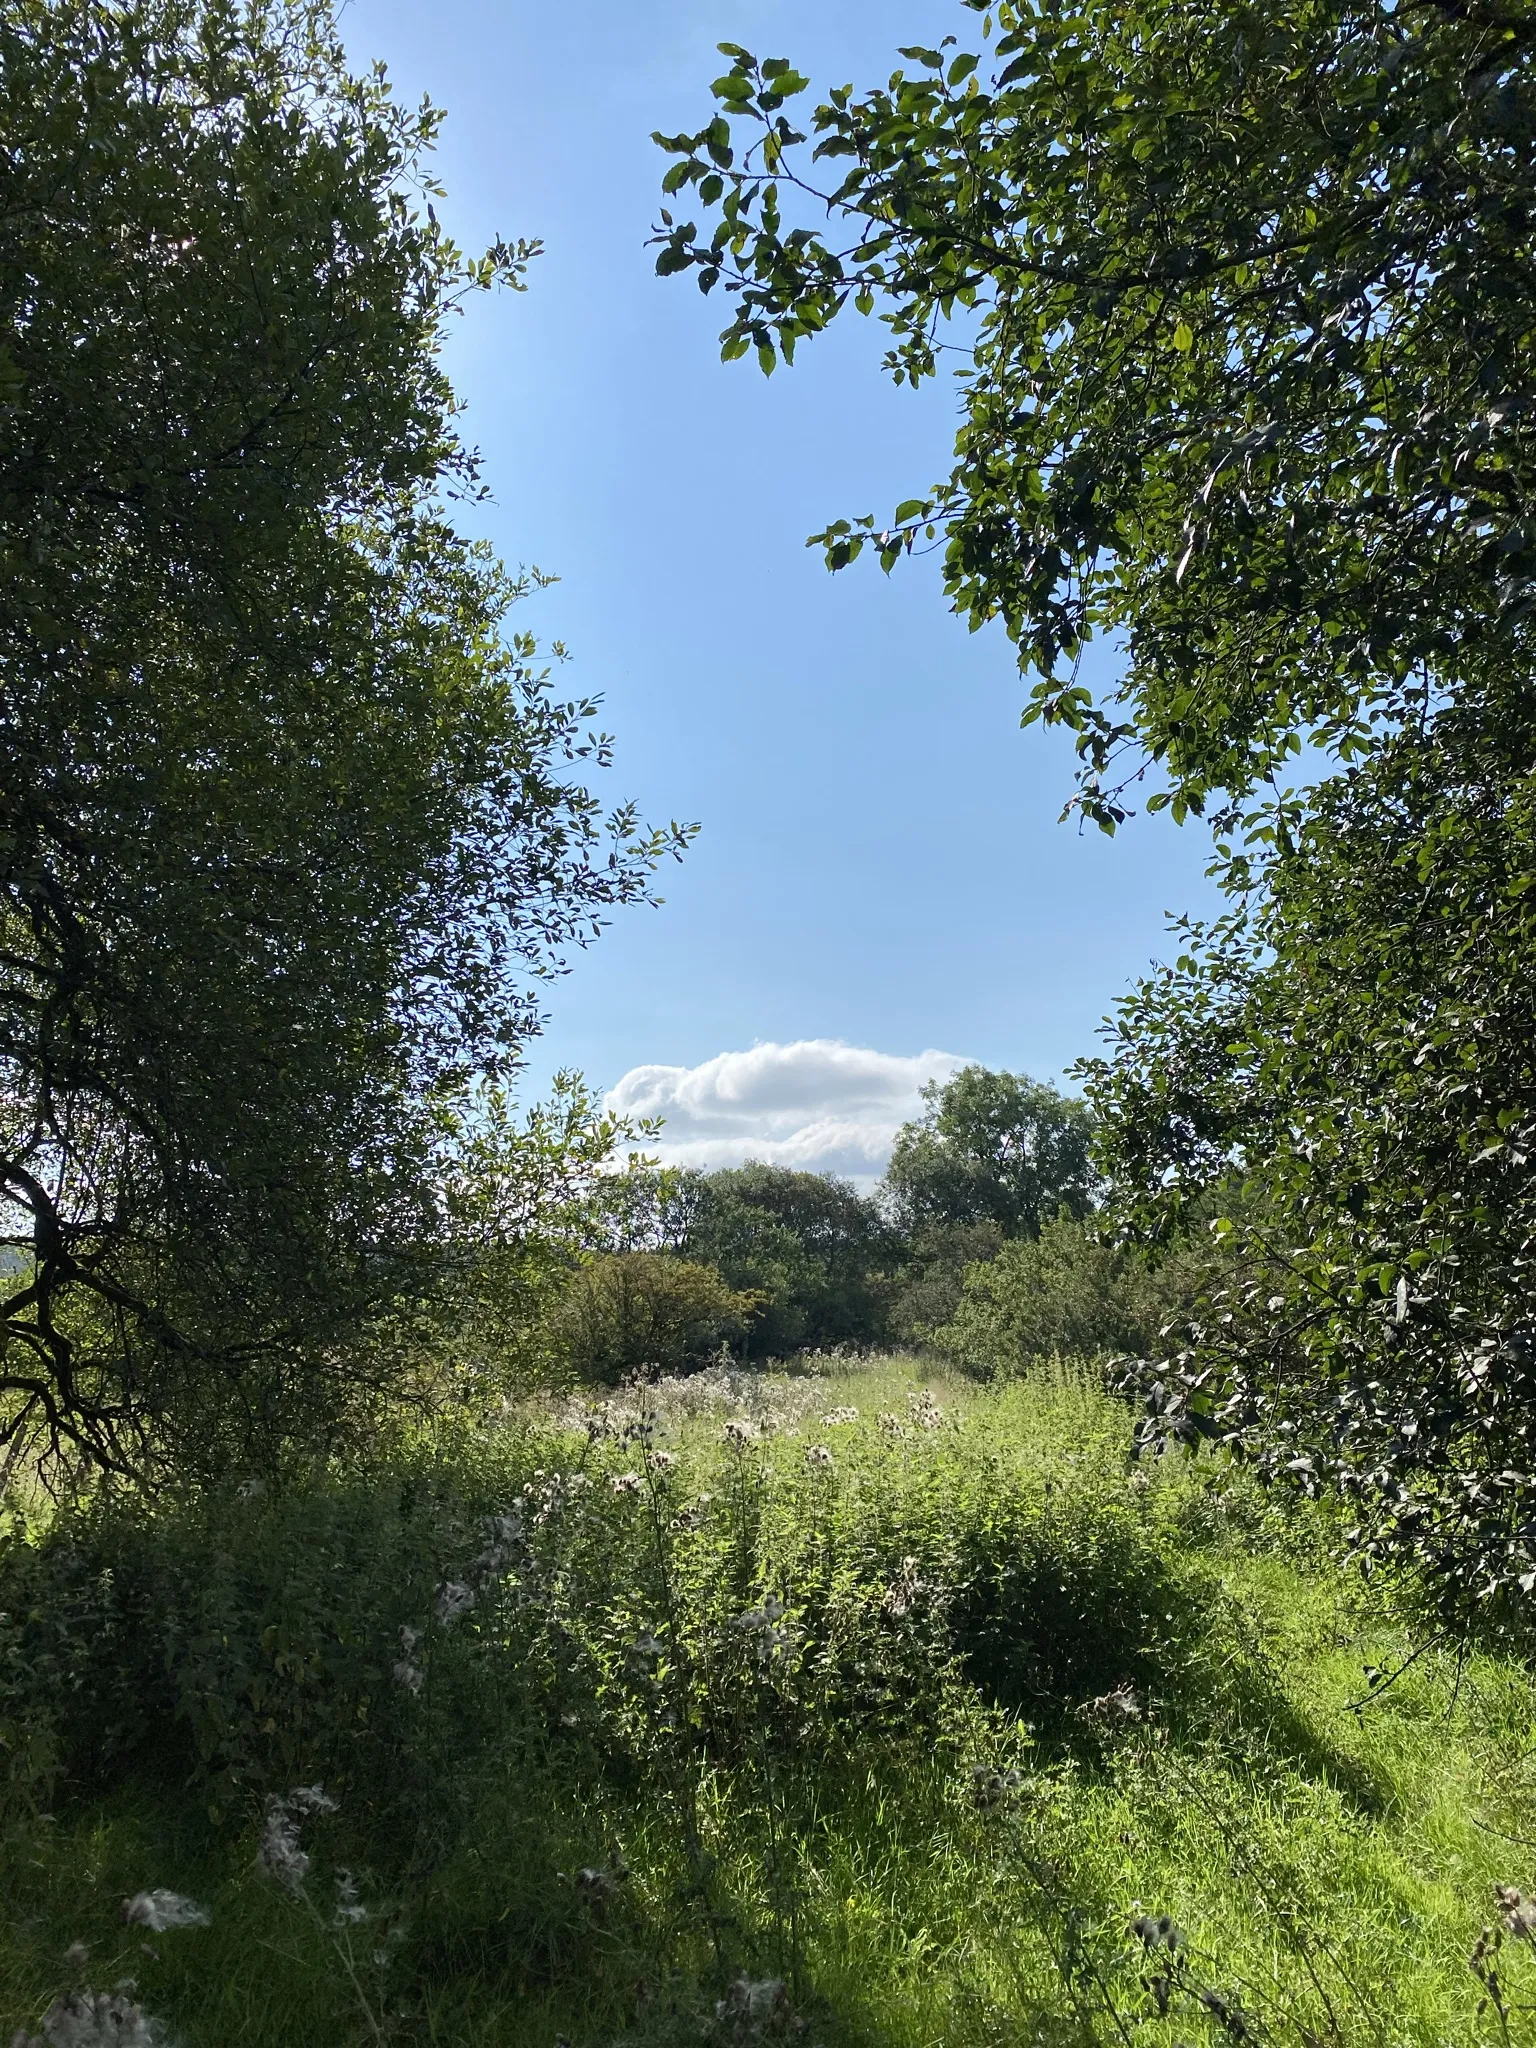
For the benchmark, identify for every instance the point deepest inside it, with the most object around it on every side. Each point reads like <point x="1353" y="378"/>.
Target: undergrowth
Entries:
<point x="845" y="1710"/>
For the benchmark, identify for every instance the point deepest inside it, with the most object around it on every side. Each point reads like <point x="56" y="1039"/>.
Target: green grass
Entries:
<point x="1022" y="1694"/>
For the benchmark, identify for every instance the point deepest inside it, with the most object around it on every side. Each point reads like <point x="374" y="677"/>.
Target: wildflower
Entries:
<point x="990" y="1788"/>
<point x="752" y="2001"/>
<point x="281" y="1854"/>
<point x="349" y="1906"/>
<point x="1119" y="1704"/>
<point x="771" y="1611"/>
<point x="599" y="1884"/>
<point x="890" y="1425"/>
<point x="627" y="1482"/>
<point x="836" y="1417"/>
<point x="453" y="1599"/>
<point x="765" y="1625"/>
<point x="159" y="1911"/>
<point x="924" y="1411"/>
<point x="738" y="1433"/>
<point x="407" y="1672"/>
<point x="1157" y="1932"/>
<point x="1519" y="1914"/>
<point x="819" y="1456"/>
<point x="93" y="2019"/>
<point x="905" y="1590"/>
<point x="504" y="1538"/>
<point x="663" y="1461"/>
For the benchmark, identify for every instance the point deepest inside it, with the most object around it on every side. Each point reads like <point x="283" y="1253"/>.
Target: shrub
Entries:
<point x="625" y="1312"/>
<point x="1064" y="1294"/>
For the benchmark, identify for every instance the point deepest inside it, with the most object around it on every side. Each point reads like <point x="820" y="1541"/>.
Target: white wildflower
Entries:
<point x="407" y="1672"/>
<point x="95" y="2019"/>
<point x="836" y="1417"/>
<point x="627" y="1482"/>
<point x="765" y="1624"/>
<point x="905" y="1590"/>
<point x="738" y="1433"/>
<point x="752" y="2000"/>
<point x="663" y="1461"/>
<point x="1119" y="1704"/>
<point x="349" y="1906"/>
<point x="504" y="1539"/>
<point x="819" y="1456"/>
<point x="160" y="1911"/>
<point x="281" y="1854"/>
<point x="890" y="1425"/>
<point x="453" y="1599"/>
<point x="990" y="1788"/>
<point x="924" y="1411"/>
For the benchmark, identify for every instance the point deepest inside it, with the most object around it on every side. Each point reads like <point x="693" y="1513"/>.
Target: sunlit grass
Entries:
<point x="1023" y="1693"/>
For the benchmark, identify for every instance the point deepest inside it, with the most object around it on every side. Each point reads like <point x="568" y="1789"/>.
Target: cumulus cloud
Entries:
<point x="818" y="1104"/>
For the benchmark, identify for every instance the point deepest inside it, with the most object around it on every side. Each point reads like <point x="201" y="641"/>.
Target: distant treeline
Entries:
<point x="977" y="1244"/>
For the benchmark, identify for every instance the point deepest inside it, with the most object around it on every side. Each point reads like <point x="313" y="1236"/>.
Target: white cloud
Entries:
<point x="818" y="1104"/>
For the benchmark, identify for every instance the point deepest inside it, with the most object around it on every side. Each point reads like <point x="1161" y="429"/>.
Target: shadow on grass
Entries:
<point x="1083" y="1630"/>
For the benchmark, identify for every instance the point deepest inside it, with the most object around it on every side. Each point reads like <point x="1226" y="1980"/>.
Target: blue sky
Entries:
<point x="880" y="864"/>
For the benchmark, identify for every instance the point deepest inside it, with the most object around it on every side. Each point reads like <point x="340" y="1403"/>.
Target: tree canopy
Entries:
<point x="816" y="1251"/>
<point x="1241" y="301"/>
<point x="291" y="824"/>
<point x="1242" y="305"/>
<point x="991" y="1147"/>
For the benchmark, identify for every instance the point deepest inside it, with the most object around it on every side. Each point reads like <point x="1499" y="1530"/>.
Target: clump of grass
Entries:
<point x="853" y="1709"/>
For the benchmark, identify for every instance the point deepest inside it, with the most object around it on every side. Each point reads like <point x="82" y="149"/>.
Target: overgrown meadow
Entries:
<point x="848" y="1707"/>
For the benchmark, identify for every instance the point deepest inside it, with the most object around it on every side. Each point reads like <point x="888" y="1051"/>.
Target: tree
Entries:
<point x="1244" y="302"/>
<point x="290" y="824"/>
<point x="818" y="1252"/>
<point x="1242" y="299"/>
<point x="1064" y="1293"/>
<point x="636" y="1312"/>
<point x="991" y="1148"/>
<point x="1342" y="1069"/>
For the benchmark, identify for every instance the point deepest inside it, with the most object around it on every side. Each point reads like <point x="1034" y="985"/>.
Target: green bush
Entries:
<point x="933" y="1281"/>
<point x="1062" y="1294"/>
<point x="633" y="1312"/>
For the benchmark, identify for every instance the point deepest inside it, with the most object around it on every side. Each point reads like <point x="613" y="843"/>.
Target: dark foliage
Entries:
<point x="290" y="826"/>
<point x="820" y="1254"/>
